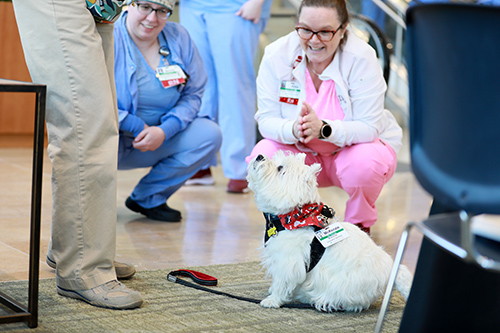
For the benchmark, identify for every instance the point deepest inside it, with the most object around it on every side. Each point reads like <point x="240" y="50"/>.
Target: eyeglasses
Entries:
<point x="145" y="9"/>
<point x="323" y="35"/>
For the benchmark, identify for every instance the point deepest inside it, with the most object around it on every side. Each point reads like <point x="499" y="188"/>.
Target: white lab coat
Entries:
<point x="359" y="84"/>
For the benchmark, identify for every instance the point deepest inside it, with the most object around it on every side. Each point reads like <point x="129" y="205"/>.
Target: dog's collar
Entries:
<point x="316" y="215"/>
<point x="307" y="215"/>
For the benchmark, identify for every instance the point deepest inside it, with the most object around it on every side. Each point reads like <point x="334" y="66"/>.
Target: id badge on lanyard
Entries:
<point x="171" y="76"/>
<point x="289" y="92"/>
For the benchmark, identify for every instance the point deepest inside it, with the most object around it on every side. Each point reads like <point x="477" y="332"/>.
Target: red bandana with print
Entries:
<point x="307" y="215"/>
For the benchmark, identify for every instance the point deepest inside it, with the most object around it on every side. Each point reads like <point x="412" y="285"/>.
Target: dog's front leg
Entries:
<point x="273" y="301"/>
<point x="284" y="282"/>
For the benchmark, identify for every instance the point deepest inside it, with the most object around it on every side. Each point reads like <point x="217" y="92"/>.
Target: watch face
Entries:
<point x="326" y="131"/>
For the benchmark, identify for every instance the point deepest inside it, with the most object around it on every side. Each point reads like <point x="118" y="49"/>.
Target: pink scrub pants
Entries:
<point x="361" y="170"/>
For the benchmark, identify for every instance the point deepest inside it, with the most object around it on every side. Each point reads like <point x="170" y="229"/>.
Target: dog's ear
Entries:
<point x="315" y="169"/>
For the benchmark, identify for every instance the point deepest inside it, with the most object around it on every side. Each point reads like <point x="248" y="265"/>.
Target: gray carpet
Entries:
<point x="171" y="307"/>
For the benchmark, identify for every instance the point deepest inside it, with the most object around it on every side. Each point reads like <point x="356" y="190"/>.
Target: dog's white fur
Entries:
<point x="350" y="276"/>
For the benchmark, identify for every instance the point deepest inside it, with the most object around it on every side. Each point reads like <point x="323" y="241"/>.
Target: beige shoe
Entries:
<point x="123" y="271"/>
<point x="111" y="295"/>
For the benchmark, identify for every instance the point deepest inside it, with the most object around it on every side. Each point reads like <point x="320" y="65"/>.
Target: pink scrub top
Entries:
<point x="326" y="104"/>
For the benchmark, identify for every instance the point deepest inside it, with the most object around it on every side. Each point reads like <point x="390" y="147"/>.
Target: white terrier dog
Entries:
<point x="353" y="271"/>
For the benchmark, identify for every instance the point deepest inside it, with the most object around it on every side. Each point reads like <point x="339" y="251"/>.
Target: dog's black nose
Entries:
<point x="259" y="158"/>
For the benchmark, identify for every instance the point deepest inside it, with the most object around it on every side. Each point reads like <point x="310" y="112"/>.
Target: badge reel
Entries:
<point x="169" y="75"/>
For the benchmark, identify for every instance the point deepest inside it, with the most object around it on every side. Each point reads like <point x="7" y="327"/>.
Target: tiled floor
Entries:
<point x="217" y="227"/>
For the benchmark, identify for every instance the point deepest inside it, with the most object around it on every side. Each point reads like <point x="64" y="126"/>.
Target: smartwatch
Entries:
<point x="325" y="131"/>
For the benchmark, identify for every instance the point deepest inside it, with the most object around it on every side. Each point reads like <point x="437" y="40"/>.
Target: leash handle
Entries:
<point x="198" y="277"/>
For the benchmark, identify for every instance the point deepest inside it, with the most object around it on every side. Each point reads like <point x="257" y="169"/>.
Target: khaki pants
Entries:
<point x="71" y="54"/>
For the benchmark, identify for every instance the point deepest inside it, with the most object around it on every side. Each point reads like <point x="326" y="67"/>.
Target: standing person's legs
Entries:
<point x="361" y="170"/>
<point x="234" y="45"/>
<point x="194" y="22"/>
<point x="74" y="60"/>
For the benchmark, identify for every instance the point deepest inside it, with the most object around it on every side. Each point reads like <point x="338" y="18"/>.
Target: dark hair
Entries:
<point x="339" y="6"/>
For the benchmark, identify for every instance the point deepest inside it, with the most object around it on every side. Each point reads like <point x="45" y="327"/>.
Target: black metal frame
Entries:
<point x="22" y="313"/>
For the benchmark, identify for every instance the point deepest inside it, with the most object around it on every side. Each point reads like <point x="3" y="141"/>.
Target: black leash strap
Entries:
<point x="208" y="280"/>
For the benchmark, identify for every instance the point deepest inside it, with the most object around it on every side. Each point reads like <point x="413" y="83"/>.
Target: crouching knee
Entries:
<point x="363" y="169"/>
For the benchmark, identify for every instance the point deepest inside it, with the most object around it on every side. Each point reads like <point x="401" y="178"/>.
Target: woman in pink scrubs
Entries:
<point x="321" y="92"/>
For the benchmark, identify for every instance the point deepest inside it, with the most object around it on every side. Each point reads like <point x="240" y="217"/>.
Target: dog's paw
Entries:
<point x="270" y="302"/>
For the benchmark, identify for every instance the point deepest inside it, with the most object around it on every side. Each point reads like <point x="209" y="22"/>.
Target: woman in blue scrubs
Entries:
<point x="160" y="79"/>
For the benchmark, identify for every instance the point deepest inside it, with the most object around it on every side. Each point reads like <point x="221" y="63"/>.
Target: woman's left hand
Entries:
<point x="309" y="124"/>
<point x="149" y="139"/>
<point x="251" y="10"/>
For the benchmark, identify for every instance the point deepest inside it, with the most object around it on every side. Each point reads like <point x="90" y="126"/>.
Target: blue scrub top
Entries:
<point x="141" y="97"/>
<point x="154" y="101"/>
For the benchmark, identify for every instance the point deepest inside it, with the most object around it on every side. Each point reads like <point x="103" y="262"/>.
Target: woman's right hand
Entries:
<point x="149" y="139"/>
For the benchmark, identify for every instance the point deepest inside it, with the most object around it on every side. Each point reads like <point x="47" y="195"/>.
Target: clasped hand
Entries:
<point x="150" y="138"/>
<point x="308" y="125"/>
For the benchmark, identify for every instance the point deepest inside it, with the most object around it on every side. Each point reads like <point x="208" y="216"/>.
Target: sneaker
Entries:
<point x="202" y="177"/>
<point x="160" y="213"/>
<point x="123" y="271"/>
<point x="111" y="295"/>
<point x="237" y="186"/>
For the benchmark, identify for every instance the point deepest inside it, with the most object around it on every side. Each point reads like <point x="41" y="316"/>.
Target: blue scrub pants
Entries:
<point x="228" y="45"/>
<point x="174" y="162"/>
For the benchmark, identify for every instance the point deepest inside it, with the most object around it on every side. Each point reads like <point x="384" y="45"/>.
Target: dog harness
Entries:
<point x="311" y="215"/>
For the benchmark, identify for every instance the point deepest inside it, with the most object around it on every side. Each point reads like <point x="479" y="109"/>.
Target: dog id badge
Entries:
<point x="331" y="234"/>
<point x="171" y="76"/>
<point x="289" y="92"/>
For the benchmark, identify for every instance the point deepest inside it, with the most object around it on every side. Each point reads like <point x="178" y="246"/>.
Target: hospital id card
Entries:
<point x="331" y="234"/>
<point x="289" y="92"/>
<point x="170" y="76"/>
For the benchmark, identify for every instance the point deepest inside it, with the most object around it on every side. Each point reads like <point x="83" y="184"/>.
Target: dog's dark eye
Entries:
<point x="280" y="168"/>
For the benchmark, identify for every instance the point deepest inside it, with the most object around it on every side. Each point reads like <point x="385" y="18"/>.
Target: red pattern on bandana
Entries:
<point x="307" y="215"/>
